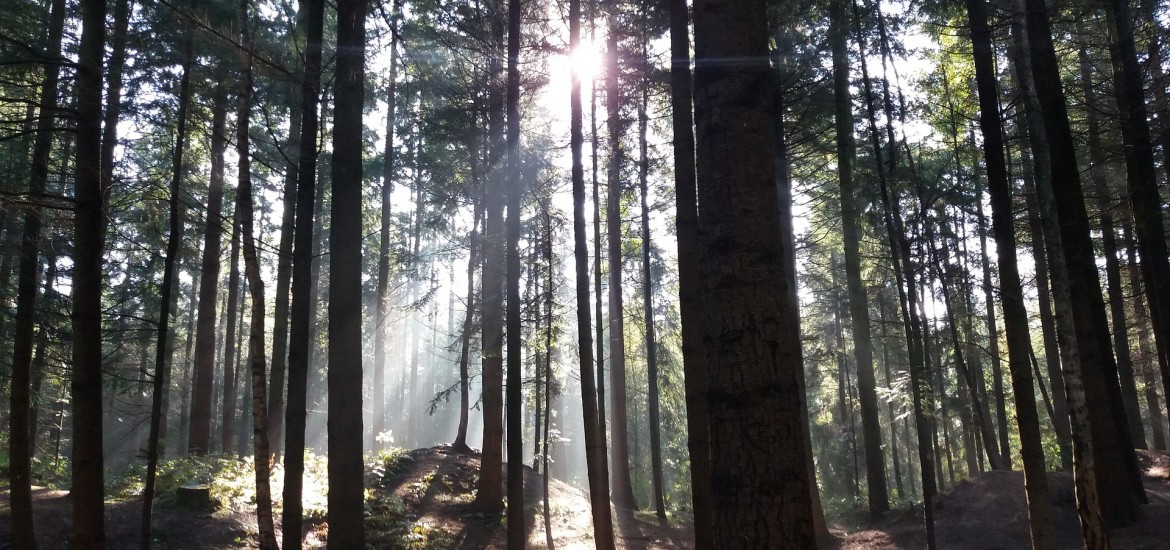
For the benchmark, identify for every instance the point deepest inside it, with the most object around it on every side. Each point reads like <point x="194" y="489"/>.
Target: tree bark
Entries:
<point x="514" y="192"/>
<point x="88" y="244"/>
<point x="346" y="528"/>
<point x="761" y="483"/>
<point x="380" y="328"/>
<point x="20" y="438"/>
<point x="1015" y="316"/>
<point x="594" y="435"/>
<point x="303" y="319"/>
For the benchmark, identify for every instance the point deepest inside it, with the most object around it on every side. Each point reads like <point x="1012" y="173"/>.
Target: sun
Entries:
<point x="586" y="60"/>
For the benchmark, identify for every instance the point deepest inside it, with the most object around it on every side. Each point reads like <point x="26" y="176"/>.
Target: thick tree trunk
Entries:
<point x="489" y="497"/>
<point x="594" y="435"/>
<point x="20" y="438"/>
<point x="761" y="483"/>
<point x="302" y="318"/>
<point x="88" y="244"/>
<point x="1040" y="520"/>
<point x="345" y="271"/>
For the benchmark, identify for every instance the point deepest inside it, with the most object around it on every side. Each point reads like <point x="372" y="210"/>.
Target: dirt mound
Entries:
<point x="989" y="512"/>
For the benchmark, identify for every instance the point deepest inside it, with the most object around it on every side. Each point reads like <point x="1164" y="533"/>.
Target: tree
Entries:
<point x="515" y="343"/>
<point x="755" y="471"/>
<point x="303" y="319"/>
<point x="20" y="438"/>
<point x="345" y="515"/>
<point x="88" y="243"/>
<point x="594" y="436"/>
<point x="1011" y="290"/>
<point x="858" y="303"/>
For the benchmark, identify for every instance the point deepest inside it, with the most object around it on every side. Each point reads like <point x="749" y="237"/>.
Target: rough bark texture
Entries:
<point x="346" y="528"/>
<point x="760" y="481"/>
<point x="88" y="244"/>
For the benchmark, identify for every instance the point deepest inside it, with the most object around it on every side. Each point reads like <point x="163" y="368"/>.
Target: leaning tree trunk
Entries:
<point x="19" y="441"/>
<point x="1040" y="520"/>
<point x="88" y="243"/>
<point x="302" y="318"/>
<point x="763" y="489"/>
<point x="345" y="271"/>
<point x="162" y="354"/>
<point x="1119" y="481"/>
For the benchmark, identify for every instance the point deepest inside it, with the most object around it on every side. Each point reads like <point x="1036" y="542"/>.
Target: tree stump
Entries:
<point x="194" y="497"/>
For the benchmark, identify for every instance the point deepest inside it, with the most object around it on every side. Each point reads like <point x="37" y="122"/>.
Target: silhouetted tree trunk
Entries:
<point x="1145" y="202"/>
<point x="851" y="234"/>
<point x="1115" y="463"/>
<point x="1115" y="294"/>
<point x="594" y="435"/>
<point x="1147" y="356"/>
<point x="1005" y="449"/>
<point x="515" y="337"/>
<point x="302" y="315"/>
<point x="88" y="242"/>
<point x="1015" y="316"/>
<point x="760" y="480"/>
<point x="20" y="439"/>
<point x="163" y="352"/>
<point x="345" y="272"/>
<point x="283" y="278"/>
<point x="231" y="348"/>
<point x="690" y="306"/>
<point x="460" y="443"/>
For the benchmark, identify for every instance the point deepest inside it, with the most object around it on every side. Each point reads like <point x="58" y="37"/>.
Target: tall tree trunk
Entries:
<point x="302" y="315"/>
<point x="20" y="438"/>
<point x="993" y="341"/>
<point x="345" y="271"/>
<point x="489" y="497"/>
<point x="594" y="435"/>
<point x="619" y="458"/>
<point x="88" y="244"/>
<point x="900" y="254"/>
<point x="460" y="443"/>
<point x="690" y="305"/>
<point x="1115" y="463"/>
<point x="163" y="352"/>
<point x="514" y="192"/>
<point x="851" y="235"/>
<point x="648" y="296"/>
<point x="1040" y="520"/>
<point x="599" y="295"/>
<point x="1145" y="202"/>
<point x="1115" y="294"/>
<point x="383" y="312"/>
<point x="231" y="349"/>
<point x="1147" y="356"/>
<point x="761" y="483"/>
<point x="266" y="530"/>
<point x="283" y="279"/>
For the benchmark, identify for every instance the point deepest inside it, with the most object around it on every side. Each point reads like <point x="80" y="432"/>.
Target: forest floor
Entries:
<point x="423" y="499"/>
<point x="420" y="499"/>
<point x="989" y="512"/>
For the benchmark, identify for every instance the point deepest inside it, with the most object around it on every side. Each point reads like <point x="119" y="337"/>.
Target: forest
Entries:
<point x="767" y="274"/>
